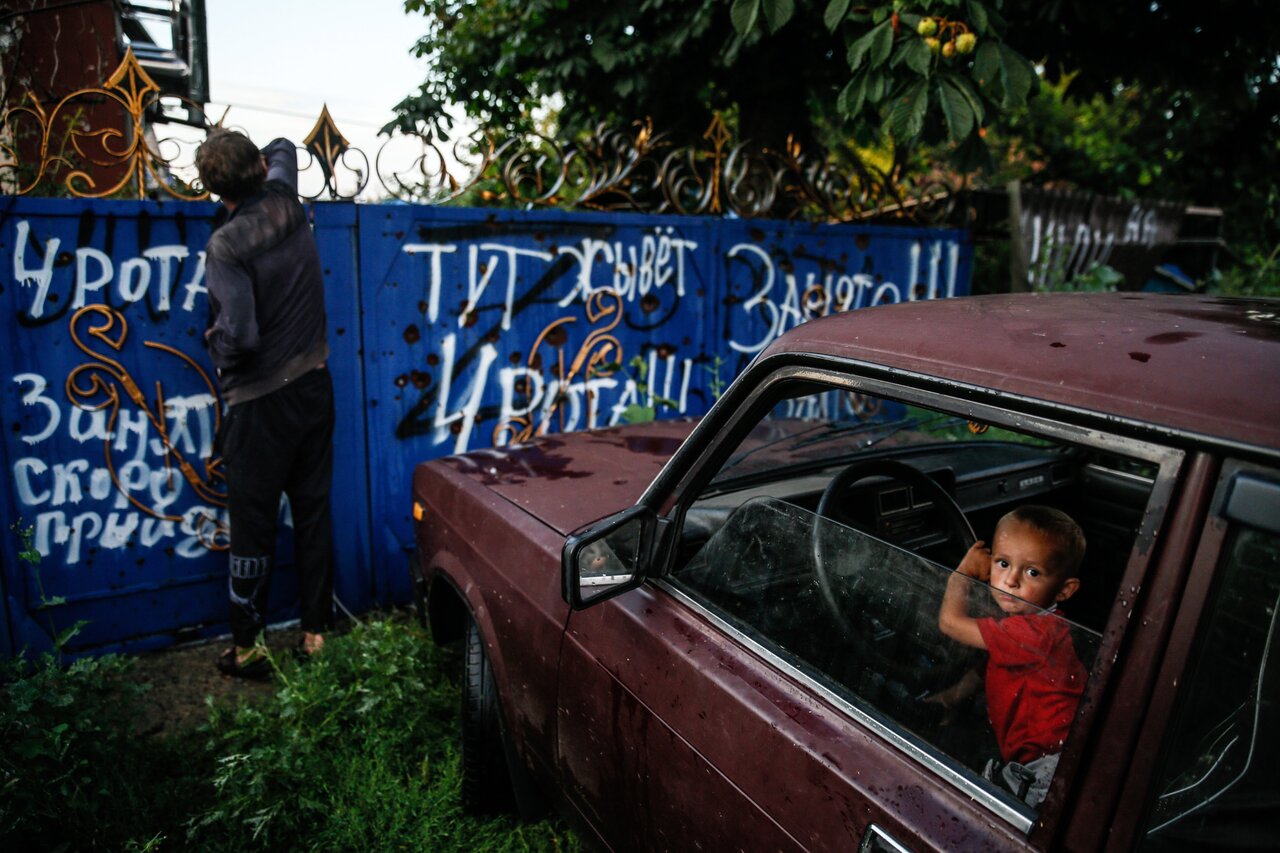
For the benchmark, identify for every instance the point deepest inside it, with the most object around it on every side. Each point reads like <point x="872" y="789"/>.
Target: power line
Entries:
<point x="292" y="113"/>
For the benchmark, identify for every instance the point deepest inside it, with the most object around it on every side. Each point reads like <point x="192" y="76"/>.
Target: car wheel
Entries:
<point x="486" y="782"/>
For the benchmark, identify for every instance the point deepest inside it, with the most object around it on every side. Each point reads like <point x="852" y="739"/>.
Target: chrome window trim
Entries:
<point x="1009" y="417"/>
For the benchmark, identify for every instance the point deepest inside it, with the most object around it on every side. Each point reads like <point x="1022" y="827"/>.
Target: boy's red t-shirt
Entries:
<point x="1034" y="683"/>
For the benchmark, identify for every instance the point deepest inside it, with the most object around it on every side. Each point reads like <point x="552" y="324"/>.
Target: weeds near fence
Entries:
<point x="72" y="773"/>
<point x="354" y="750"/>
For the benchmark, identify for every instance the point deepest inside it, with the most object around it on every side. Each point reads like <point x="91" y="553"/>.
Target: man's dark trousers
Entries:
<point x="280" y="443"/>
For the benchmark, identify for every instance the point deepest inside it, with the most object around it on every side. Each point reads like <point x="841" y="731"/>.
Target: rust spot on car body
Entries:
<point x="1171" y="337"/>
<point x="654" y="445"/>
<point x="527" y="462"/>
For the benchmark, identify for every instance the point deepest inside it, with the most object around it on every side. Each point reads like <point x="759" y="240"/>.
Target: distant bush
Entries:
<point x="1257" y="274"/>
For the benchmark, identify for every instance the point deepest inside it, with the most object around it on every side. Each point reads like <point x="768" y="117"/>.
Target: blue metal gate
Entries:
<point x="450" y="330"/>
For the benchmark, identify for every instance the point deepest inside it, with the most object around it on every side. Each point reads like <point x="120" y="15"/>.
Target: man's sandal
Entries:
<point x="256" y="668"/>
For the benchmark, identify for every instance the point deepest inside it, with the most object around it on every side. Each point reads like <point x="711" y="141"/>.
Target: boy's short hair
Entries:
<point x="1060" y="528"/>
<point x="230" y="165"/>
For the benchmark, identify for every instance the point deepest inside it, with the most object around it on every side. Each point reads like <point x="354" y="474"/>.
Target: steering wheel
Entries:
<point x="904" y="608"/>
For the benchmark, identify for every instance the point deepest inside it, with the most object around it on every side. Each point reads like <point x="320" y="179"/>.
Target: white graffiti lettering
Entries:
<point x="1058" y="251"/>
<point x="465" y="417"/>
<point x="41" y="277"/>
<point x="117" y="529"/>
<point x="475" y="289"/>
<point x="784" y="301"/>
<point x="659" y="259"/>
<point x="36" y="396"/>
<point x="434" y="250"/>
<point x="118" y="496"/>
<point x="634" y="270"/>
<point x="95" y="273"/>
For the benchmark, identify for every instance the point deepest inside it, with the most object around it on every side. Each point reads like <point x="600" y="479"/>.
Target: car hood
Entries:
<point x="568" y="480"/>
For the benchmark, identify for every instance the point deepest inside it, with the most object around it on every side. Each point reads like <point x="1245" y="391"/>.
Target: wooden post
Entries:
<point x="1017" y="245"/>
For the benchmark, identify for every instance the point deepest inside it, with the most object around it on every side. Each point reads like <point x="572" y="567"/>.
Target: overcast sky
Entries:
<point x="277" y="62"/>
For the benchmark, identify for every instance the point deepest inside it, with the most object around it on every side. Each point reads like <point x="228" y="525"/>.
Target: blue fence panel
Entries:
<point x="481" y="327"/>
<point x="111" y="410"/>
<point x="778" y="274"/>
<point x="450" y="330"/>
<point x="484" y="328"/>
<point x="337" y="235"/>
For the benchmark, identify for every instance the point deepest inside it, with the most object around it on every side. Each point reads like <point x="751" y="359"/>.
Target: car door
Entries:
<point x="688" y="721"/>
<point x="1199" y="776"/>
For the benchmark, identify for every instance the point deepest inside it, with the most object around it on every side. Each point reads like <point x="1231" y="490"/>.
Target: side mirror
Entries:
<point x="608" y="558"/>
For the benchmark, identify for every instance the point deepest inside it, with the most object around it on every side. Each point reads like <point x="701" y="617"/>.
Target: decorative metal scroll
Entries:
<point x="599" y="356"/>
<point x="637" y="169"/>
<point x="43" y="143"/>
<point x="330" y="151"/>
<point x="103" y="383"/>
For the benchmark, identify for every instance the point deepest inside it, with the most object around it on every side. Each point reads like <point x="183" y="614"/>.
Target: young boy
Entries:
<point x="1034" y="679"/>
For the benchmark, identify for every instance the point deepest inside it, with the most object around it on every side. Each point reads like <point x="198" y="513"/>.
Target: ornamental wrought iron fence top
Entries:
<point x="102" y="142"/>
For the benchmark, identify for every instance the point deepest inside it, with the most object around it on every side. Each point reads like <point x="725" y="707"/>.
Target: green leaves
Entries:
<point x="916" y="55"/>
<point x="606" y="54"/>
<point x="977" y="16"/>
<point x="778" y="12"/>
<point x="873" y="48"/>
<point x="1003" y="73"/>
<point x="853" y="96"/>
<point x="745" y="13"/>
<point x="836" y="12"/>
<point x="955" y="107"/>
<point x="906" y="116"/>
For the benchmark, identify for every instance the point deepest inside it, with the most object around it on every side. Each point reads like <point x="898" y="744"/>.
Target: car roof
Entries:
<point x="1186" y="363"/>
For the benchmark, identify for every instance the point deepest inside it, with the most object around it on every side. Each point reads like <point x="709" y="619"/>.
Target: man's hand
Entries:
<point x="977" y="563"/>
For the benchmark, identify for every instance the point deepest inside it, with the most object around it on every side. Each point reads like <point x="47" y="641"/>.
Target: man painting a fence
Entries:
<point x="267" y="339"/>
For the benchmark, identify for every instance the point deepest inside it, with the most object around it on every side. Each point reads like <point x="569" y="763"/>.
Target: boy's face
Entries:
<point x="1024" y="563"/>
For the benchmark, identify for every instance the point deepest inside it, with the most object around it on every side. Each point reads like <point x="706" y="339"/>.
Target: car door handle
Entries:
<point x="876" y="840"/>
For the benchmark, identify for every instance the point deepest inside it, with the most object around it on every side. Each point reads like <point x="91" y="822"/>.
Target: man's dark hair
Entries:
<point x="1059" y="527"/>
<point x="230" y="165"/>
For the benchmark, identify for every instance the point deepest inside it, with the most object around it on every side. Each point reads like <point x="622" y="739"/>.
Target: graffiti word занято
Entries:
<point x="783" y="302"/>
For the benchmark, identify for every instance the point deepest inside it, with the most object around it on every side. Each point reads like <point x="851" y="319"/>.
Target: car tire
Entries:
<point x="486" y="780"/>
<point x="417" y="580"/>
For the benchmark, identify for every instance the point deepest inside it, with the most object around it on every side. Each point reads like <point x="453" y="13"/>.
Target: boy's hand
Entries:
<point x="948" y="714"/>
<point x="977" y="563"/>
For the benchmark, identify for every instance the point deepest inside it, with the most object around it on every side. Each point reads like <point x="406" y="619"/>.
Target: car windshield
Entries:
<point x="860" y="615"/>
<point x="835" y="425"/>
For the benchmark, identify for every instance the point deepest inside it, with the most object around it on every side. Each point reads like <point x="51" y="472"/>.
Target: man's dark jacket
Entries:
<point x="265" y="288"/>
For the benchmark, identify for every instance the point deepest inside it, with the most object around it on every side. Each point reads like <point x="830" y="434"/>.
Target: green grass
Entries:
<point x="356" y="750"/>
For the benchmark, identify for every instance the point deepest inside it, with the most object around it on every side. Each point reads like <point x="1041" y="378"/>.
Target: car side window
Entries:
<point x="1218" y="786"/>
<point x="829" y="540"/>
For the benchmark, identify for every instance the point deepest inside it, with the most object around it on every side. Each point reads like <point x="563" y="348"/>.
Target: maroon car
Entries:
<point x="744" y="653"/>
